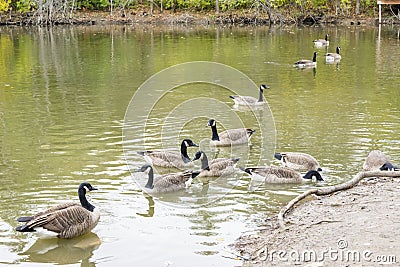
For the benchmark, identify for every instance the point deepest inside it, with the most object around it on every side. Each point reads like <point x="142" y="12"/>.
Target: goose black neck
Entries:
<point x="260" y="97"/>
<point x="84" y="202"/>
<point x="215" y="136"/>
<point x="314" y="59"/>
<point x="150" y="180"/>
<point x="184" y="154"/>
<point x="204" y="163"/>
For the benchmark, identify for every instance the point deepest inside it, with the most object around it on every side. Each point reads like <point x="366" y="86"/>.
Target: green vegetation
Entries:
<point x="46" y="11"/>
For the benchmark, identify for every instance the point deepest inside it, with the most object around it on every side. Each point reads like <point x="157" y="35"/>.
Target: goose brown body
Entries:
<point x="375" y="160"/>
<point x="298" y="161"/>
<point x="229" y="137"/>
<point x="216" y="167"/>
<point x="168" y="182"/>
<point x="66" y="220"/>
<point x="281" y="175"/>
<point x="249" y="100"/>
<point x="170" y="159"/>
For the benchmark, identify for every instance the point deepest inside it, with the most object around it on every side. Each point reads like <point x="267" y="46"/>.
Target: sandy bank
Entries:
<point x="356" y="227"/>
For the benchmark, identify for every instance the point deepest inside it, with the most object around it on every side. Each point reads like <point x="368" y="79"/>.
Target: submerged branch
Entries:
<point x="332" y="189"/>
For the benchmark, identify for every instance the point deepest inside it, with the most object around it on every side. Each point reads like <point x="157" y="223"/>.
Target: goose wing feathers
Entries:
<point x="172" y="181"/>
<point x="300" y="161"/>
<point x="241" y="134"/>
<point x="165" y="158"/>
<point x="244" y="99"/>
<point x="274" y="174"/>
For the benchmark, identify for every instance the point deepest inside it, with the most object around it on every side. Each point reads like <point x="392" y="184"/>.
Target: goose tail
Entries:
<point x="24" y="228"/>
<point x="25" y="219"/>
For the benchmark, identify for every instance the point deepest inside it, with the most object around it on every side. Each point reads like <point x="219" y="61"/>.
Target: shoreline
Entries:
<point x="355" y="227"/>
<point x="167" y="17"/>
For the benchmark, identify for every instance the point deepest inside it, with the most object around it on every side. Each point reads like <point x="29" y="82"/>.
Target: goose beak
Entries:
<point x="196" y="145"/>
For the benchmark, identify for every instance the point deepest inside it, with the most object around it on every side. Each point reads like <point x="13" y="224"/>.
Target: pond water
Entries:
<point x="64" y="94"/>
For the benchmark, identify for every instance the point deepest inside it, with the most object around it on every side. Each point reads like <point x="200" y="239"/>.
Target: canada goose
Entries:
<point x="168" y="182"/>
<point x="322" y="42"/>
<point x="281" y="175"/>
<point x="298" y="161"/>
<point x="229" y="137"/>
<point x="216" y="167"/>
<point x="375" y="160"/>
<point x="331" y="57"/>
<point x="65" y="220"/>
<point x="170" y="159"/>
<point x="305" y="63"/>
<point x="249" y="100"/>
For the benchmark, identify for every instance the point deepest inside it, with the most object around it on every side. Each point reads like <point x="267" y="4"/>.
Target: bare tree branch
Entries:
<point x="332" y="189"/>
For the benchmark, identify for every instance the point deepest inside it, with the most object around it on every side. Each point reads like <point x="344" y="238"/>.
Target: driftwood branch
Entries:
<point x="332" y="189"/>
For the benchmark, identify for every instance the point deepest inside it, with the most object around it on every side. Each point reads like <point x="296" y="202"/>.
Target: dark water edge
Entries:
<point x="144" y="16"/>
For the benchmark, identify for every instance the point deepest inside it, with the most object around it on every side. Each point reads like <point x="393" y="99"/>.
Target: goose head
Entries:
<point x="145" y="168"/>
<point x="86" y="187"/>
<point x="211" y="123"/>
<point x="313" y="174"/>
<point x="388" y="167"/>
<point x="188" y="143"/>
<point x="199" y="155"/>
<point x="338" y="50"/>
<point x="263" y="87"/>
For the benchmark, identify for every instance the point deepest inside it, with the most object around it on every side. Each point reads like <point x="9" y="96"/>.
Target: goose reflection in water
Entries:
<point x="63" y="251"/>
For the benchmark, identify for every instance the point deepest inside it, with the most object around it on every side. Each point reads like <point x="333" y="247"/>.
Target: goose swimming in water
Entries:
<point x="322" y="42"/>
<point x="170" y="159"/>
<point x="298" y="161"/>
<point x="65" y="220"/>
<point x="306" y="63"/>
<point x="168" y="182"/>
<point x="229" y="137"/>
<point x="216" y="167"/>
<point x="249" y="100"/>
<point x="333" y="57"/>
<point x="281" y="175"/>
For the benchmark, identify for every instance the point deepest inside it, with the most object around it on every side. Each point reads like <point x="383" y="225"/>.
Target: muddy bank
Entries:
<point x="167" y="17"/>
<point x="356" y="227"/>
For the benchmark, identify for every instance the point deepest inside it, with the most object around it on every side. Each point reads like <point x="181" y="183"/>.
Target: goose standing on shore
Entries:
<point x="249" y="100"/>
<point x="322" y="42"/>
<point x="65" y="220"/>
<point x="216" y="167"/>
<point x="281" y="175"/>
<point x="333" y="57"/>
<point x="298" y="161"/>
<point x="170" y="159"/>
<point x="229" y="137"/>
<point x="166" y="183"/>
<point x="306" y="63"/>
